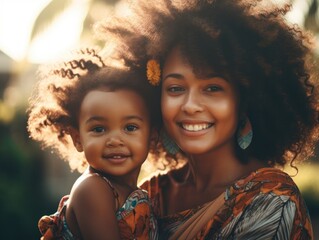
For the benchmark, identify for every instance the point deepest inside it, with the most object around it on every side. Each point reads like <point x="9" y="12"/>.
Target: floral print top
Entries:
<point x="135" y="219"/>
<point x="264" y="205"/>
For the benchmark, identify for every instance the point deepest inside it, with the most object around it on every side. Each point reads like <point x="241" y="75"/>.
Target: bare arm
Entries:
<point x="93" y="205"/>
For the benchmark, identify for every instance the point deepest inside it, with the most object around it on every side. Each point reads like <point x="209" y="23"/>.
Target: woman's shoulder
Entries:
<point x="265" y="181"/>
<point x="266" y="187"/>
<point x="271" y="196"/>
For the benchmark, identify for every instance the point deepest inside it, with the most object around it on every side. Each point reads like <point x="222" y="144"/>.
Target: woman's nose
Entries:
<point x="192" y="104"/>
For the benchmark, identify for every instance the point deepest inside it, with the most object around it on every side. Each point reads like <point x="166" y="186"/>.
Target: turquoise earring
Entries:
<point x="244" y="134"/>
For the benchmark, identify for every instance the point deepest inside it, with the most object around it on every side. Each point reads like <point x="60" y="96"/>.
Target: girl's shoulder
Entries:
<point x="89" y="185"/>
<point x="91" y="181"/>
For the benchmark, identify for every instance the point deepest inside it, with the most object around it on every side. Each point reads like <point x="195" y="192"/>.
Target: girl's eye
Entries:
<point x="131" y="128"/>
<point x="98" y="129"/>
<point x="175" y="89"/>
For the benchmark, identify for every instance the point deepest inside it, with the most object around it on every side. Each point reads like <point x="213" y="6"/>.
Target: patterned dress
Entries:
<point x="135" y="219"/>
<point x="264" y="205"/>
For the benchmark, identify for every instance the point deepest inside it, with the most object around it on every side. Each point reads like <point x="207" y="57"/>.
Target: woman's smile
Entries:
<point x="195" y="127"/>
<point x="200" y="112"/>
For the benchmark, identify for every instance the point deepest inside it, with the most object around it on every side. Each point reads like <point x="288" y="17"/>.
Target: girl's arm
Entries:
<point x="93" y="205"/>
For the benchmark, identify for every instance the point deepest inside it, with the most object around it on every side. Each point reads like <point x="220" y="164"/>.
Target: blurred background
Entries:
<point x="34" y="32"/>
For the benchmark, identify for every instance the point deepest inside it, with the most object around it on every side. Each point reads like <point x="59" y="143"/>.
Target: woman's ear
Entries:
<point x="75" y="135"/>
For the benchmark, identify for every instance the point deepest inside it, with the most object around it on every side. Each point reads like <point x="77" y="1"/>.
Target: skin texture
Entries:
<point x="192" y="103"/>
<point x="114" y="133"/>
<point x="201" y="115"/>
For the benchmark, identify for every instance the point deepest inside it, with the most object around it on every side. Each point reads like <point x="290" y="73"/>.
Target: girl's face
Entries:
<point x="114" y="131"/>
<point x="199" y="114"/>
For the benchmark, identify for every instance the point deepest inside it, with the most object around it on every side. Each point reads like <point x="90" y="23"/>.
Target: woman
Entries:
<point x="239" y="100"/>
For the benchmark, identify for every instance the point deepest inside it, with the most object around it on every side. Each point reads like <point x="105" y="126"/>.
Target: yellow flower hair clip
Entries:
<point x="153" y="72"/>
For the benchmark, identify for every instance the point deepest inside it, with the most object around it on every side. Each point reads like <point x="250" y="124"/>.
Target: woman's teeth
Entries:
<point x="196" y="127"/>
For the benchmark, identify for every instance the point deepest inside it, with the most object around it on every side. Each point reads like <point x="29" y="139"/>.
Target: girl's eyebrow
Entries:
<point x="134" y="117"/>
<point x="98" y="118"/>
<point x="94" y="118"/>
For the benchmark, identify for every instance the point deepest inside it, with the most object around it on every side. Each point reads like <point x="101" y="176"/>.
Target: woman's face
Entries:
<point x="200" y="114"/>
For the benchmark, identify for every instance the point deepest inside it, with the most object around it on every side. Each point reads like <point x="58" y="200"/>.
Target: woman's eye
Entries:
<point x="175" y="89"/>
<point x="131" y="128"/>
<point x="98" y="129"/>
<point x="213" y="88"/>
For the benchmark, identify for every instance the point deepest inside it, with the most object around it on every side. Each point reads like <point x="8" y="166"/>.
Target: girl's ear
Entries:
<point x="75" y="135"/>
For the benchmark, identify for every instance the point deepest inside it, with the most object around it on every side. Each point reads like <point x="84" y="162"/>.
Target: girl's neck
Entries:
<point x="127" y="181"/>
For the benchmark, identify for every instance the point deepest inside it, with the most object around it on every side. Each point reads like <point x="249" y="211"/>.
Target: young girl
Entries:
<point x="239" y="100"/>
<point x="106" y="114"/>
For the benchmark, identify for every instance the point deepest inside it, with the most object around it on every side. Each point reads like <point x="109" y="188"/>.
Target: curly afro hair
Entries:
<point x="57" y="97"/>
<point x="249" y="43"/>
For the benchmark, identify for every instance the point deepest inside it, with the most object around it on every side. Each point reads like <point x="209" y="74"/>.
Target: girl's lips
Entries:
<point x="116" y="157"/>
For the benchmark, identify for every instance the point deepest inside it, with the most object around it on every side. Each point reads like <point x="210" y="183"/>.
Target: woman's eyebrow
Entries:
<point x="174" y="75"/>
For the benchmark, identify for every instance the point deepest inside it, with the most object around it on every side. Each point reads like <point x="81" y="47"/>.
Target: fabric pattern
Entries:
<point x="135" y="219"/>
<point x="264" y="205"/>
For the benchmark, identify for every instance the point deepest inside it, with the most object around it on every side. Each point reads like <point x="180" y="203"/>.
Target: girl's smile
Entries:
<point x="116" y="157"/>
<point x="114" y="131"/>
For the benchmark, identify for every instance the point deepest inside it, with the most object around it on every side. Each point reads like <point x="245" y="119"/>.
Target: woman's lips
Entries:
<point x="195" y="127"/>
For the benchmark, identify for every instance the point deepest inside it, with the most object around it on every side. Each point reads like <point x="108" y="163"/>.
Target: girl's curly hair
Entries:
<point x="56" y="100"/>
<point x="249" y="43"/>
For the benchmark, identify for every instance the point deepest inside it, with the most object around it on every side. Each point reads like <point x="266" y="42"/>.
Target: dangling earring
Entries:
<point x="169" y="145"/>
<point x="244" y="134"/>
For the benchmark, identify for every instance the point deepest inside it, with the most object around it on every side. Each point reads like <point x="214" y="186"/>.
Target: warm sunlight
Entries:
<point x="298" y="11"/>
<point x="62" y="36"/>
<point x="16" y="21"/>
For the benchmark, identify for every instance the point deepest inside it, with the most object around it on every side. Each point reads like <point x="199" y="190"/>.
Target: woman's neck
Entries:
<point x="218" y="170"/>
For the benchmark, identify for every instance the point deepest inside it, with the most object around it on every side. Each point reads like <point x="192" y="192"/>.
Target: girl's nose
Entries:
<point x="114" y="141"/>
<point x="192" y="104"/>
